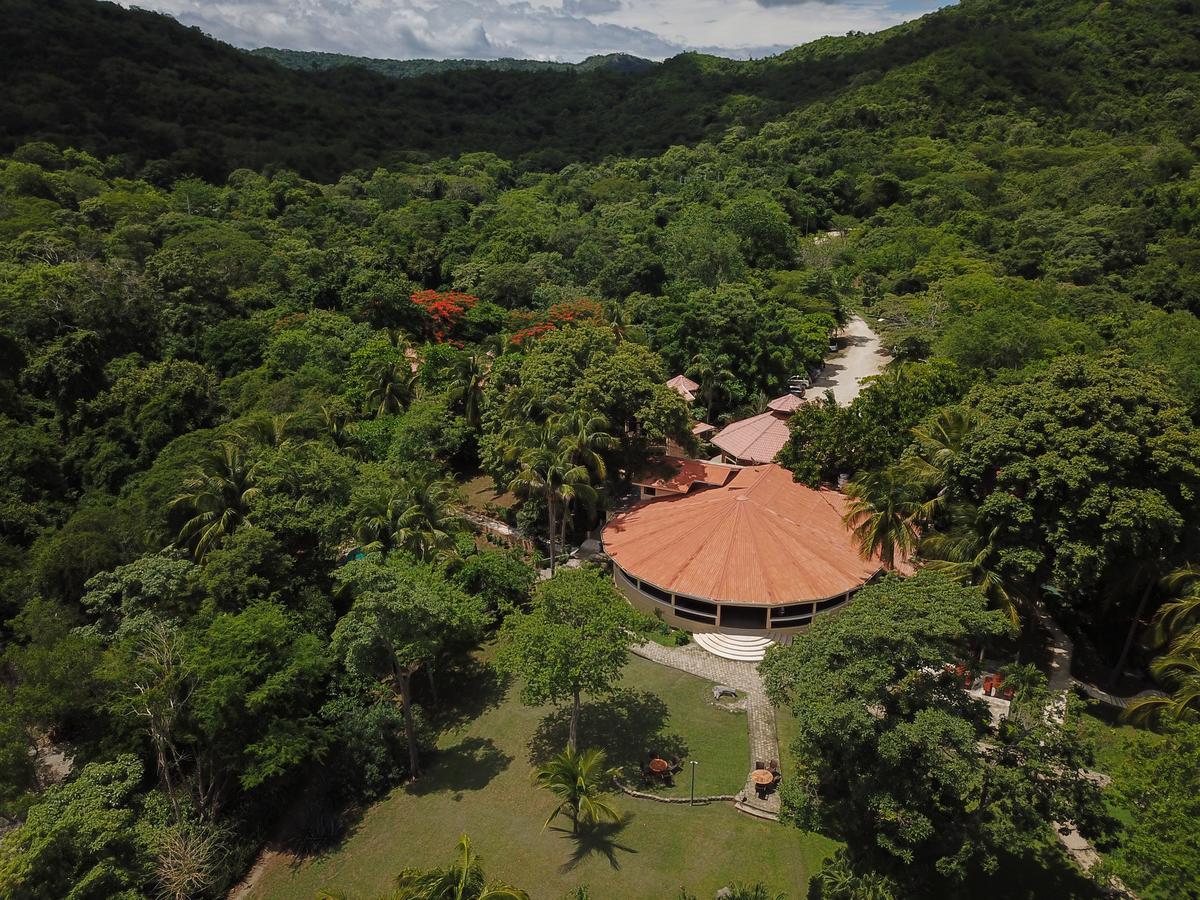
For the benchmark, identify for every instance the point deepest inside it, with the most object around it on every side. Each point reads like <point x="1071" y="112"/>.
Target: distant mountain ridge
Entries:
<point x="315" y="61"/>
<point x="163" y="99"/>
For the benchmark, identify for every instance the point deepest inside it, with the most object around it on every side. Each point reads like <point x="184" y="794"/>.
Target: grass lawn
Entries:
<point x="479" y="783"/>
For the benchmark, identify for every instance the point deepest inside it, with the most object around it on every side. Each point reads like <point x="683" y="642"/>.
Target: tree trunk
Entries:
<point x="432" y="684"/>
<point x="1115" y="675"/>
<point x="404" y="680"/>
<point x="550" y="528"/>
<point x="573" y="736"/>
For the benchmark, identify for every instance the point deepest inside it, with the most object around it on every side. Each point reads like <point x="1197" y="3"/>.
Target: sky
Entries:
<point x="567" y="30"/>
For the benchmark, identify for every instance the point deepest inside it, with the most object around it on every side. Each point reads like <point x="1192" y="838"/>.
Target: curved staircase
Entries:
<point x="748" y="648"/>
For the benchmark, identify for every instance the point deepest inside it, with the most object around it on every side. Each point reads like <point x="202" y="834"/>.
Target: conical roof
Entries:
<point x="760" y="539"/>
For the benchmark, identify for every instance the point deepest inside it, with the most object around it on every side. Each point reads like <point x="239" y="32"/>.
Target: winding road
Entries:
<point x="862" y="357"/>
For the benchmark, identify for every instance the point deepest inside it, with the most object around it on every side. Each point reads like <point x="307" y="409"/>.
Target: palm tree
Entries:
<point x="713" y="375"/>
<point x="936" y="446"/>
<point x="393" y="388"/>
<point x="220" y="494"/>
<point x="466" y="385"/>
<point x="577" y="779"/>
<point x="883" y="512"/>
<point x="547" y="470"/>
<point x="583" y="437"/>
<point x="1179" y="671"/>
<point x="1182" y="612"/>
<point x="277" y="431"/>
<point x="463" y="879"/>
<point x="969" y="557"/>
<point x="414" y="515"/>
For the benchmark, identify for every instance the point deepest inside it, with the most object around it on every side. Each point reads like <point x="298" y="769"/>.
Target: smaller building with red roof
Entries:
<point x="756" y="441"/>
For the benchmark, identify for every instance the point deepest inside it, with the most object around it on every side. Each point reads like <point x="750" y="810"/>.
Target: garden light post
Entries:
<point x="692" y="802"/>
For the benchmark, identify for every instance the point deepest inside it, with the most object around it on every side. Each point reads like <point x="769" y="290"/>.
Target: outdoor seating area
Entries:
<point x="661" y="770"/>
<point x="766" y="778"/>
<point x="988" y="684"/>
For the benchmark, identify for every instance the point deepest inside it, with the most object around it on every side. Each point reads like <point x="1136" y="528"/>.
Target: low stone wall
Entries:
<point x="642" y="795"/>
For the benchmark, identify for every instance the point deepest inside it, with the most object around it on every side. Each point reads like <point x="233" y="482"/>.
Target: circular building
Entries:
<point x="757" y="554"/>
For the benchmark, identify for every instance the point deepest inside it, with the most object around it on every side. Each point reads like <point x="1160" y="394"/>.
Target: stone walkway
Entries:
<point x="743" y="676"/>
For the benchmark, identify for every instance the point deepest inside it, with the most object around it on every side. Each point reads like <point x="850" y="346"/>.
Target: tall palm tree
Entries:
<point x="466" y="385"/>
<point x="220" y="494"/>
<point x="463" y="879"/>
<point x="936" y="446"/>
<point x="548" y="471"/>
<point x="393" y="388"/>
<point x="884" y="514"/>
<point x="415" y="515"/>
<point x="583" y="438"/>
<point x="713" y="375"/>
<point x="969" y="557"/>
<point x="578" y="779"/>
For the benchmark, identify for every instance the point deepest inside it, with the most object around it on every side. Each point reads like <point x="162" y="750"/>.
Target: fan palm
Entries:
<point x="463" y="879"/>
<point x="220" y="494"/>
<point x="969" y="557"/>
<point x="884" y="512"/>
<point x="577" y="779"/>
<point x="392" y="389"/>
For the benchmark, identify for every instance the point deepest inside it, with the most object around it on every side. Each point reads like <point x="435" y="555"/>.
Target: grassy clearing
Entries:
<point x="480" y="783"/>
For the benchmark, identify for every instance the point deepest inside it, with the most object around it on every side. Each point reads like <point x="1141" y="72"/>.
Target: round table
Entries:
<point x="763" y="777"/>
<point x="659" y="766"/>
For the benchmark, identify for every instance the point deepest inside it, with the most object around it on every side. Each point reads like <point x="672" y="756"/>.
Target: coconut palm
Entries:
<point x="466" y="385"/>
<point x="578" y="778"/>
<point x="415" y="514"/>
<point x="1182" y="611"/>
<point x="1178" y="670"/>
<point x="713" y="375"/>
<point x="548" y="471"/>
<point x="582" y="439"/>
<point x="392" y="388"/>
<point x="279" y="431"/>
<point x="969" y="557"/>
<point x="220" y="494"/>
<point x="936" y="445"/>
<point x="884" y="513"/>
<point x="463" y="879"/>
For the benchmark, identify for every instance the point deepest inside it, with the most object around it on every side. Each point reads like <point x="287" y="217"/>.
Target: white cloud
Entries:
<point x="536" y="29"/>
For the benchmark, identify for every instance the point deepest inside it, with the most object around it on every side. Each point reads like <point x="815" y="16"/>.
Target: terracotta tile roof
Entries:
<point x="703" y="428"/>
<point x="754" y="440"/>
<point x="788" y="403"/>
<point x="760" y="539"/>
<point x="676" y="476"/>
<point x="685" y="386"/>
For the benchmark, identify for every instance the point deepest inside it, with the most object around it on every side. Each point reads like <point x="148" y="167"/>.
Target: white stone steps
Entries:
<point x="742" y="648"/>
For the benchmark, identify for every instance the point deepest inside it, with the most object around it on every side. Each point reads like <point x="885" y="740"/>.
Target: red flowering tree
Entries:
<point x="529" y="326"/>
<point x="443" y="310"/>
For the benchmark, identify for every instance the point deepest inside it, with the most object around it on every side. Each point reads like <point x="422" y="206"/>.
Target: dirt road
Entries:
<point x="861" y="357"/>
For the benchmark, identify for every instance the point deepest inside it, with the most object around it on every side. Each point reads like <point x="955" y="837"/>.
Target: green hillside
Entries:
<point x="265" y="332"/>
<point x="311" y="60"/>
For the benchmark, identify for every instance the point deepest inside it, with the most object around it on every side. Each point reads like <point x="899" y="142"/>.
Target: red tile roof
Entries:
<point x="685" y="386"/>
<point x="788" y="403"/>
<point x="676" y="476"/>
<point x="703" y="428"/>
<point x="760" y="539"/>
<point x="754" y="440"/>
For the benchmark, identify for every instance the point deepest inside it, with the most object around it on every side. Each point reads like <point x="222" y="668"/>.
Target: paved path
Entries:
<point x="760" y="714"/>
<point x="1059" y="679"/>
<point x="862" y="357"/>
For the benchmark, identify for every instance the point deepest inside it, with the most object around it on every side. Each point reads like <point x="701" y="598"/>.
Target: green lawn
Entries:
<point x="479" y="783"/>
